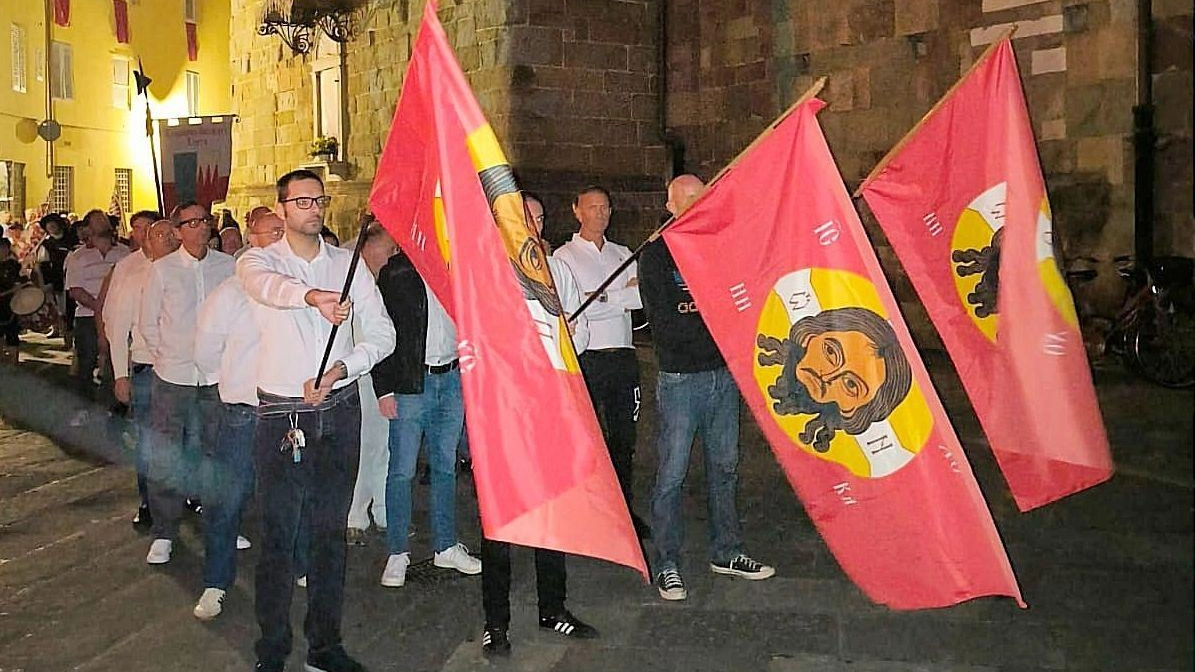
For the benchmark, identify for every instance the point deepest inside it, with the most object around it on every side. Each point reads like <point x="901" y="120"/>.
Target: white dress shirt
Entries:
<point x="122" y="312"/>
<point x="178" y="284"/>
<point x="86" y="267"/>
<point x="441" y="332"/>
<point x="227" y="343"/>
<point x="293" y="334"/>
<point x="610" y="320"/>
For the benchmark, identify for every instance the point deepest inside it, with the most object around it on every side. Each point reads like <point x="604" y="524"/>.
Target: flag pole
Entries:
<point x="941" y="101"/>
<point x="344" y="295"/>
<point x="143" y="83"/>
<point x="655" y="235"/>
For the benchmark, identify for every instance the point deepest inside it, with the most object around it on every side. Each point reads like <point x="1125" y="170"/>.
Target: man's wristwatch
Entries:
<point x="603" y="297"/>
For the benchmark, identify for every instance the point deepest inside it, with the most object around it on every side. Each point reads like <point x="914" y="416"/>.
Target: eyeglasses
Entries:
<point x="307" y="202"/>
<point x="272" y="233"/>
<point x="196" y="222"/>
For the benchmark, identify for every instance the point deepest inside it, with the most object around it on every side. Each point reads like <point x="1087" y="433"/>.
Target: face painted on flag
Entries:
<point x="975" y="258"/>
<point x="839" y="383"/>
<point x="524" y="248"/>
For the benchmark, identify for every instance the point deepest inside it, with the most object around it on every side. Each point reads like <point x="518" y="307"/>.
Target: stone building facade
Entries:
<point x="625" y="92"/>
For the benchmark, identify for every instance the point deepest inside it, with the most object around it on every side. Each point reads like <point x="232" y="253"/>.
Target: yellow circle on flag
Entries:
<point x="834" y="374"/>
<point x="975" y="260"/>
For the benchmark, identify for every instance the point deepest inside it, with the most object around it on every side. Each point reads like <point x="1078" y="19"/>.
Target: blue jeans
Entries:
<point x="229" y="482"/>
<point x="142" y="381"/>
<point x="704" y="404"/>
<point x="437" y="416"/>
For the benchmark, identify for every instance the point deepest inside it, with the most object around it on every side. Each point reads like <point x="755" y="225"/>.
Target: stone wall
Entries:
<point x="734" y="65"/>
<point x="570" y="89"/>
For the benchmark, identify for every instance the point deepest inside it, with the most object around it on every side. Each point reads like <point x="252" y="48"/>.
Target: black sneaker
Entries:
<point x="333" y="659"/>
<point x="494" y="641"/>
<point x="568" y="625"/>
<point x="195" y="506"/>
<point x="743" y="567"/>
<point x="143" y="520"/>
<point x="671" y="586"/>
<point x="263" y="666"/>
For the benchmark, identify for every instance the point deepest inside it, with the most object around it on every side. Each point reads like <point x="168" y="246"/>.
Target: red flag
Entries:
<point x="543" y="475"/>
<point x="62" y="12"/>
<point x="964" y="206"/>
<point x="121" y="10"/>
<point x="793" y="294"/>
<point x="192" y="42"/>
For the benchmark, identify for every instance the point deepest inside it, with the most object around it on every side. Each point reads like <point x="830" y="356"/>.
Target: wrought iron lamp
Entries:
<point x="295" y="21"/>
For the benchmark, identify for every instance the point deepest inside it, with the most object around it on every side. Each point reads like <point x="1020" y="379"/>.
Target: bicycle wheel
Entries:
<point x="1164" y="348"/>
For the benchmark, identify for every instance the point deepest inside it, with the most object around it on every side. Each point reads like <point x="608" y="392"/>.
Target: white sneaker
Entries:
<point x="159" y="552"/>
<point x="301" y="581"/>
<point x="457" y="557"/>
<point x="243" y="543"/>
<point x="395" y="573"/>
<point x="210" y="604"/>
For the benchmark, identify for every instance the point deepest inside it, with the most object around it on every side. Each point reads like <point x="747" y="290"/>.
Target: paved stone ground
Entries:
<point x="1107" y="572"/>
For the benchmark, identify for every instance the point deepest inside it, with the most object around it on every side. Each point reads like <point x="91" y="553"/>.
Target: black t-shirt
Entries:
<point x="683" y="343"/>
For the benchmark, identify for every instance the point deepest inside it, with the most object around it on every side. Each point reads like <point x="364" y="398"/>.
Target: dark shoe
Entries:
<point x="568" y="625"/>
<point x="743" y="566"/>
<point x="494" y="641"/>
<point x="355" y="536"/>
<point x="642" y="529"/>
<point x="143" y="520"/>
<point x="195" y="506"/>
<point x="262" y="666"/>
<point x="331" y="660"/>
<point x="464" y="466"/>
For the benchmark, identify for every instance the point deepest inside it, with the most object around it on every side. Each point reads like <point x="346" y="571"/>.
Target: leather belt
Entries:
<point x="441" y="368"/>
<point x="138" y="367"/>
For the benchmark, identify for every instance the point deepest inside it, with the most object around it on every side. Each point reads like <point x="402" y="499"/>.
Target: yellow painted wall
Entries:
<point x="97" y="137"/>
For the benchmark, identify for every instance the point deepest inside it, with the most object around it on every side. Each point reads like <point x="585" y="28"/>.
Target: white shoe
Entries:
<point x="210" y="604"/>
<point x="457" y="557"/>
<point x="301" y="581"/>
<point x="159" y="552"/>
<point x="395" y="573"/>
<point x="243" y="543"/>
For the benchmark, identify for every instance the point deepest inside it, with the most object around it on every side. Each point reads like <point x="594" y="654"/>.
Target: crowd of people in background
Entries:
<point x="207" y="336"/>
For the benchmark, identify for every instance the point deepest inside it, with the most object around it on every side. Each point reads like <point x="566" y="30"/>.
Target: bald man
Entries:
<point x="696" y="396"/>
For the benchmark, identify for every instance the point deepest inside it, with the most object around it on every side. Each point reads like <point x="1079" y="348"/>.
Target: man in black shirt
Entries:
<point x="696" y="396"/>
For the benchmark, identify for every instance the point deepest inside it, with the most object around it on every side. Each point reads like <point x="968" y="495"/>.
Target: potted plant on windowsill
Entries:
<point x="324" y="148"/>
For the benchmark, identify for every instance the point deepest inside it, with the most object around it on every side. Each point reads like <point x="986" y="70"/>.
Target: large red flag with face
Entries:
<point x="543" y="474"/>
<point x="791" y="290"/>
<point x="964" y="205"/>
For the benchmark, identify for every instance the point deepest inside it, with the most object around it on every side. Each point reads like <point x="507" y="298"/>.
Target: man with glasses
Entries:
<point x="610" y="367"/>
<point x="131" y="366"/>
<point x="306" y="445"/>
<point x="184" y="402"/>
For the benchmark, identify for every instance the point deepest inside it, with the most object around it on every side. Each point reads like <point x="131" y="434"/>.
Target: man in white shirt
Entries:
<point x="419" y="391"/>
<point x="369" y="494"/>
<point x="131" y="365"/>
<point x="226" y="350"/>
<point x="85" y="269"/>
<point x="184" y="403"/>
<point x="307" y="442"/>
<point x="610" y="367"/>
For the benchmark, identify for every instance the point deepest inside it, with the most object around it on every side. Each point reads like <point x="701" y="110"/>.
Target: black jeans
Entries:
<point x="184" y="420"/>
<point x="550" y="577"/>
<point x="612" y="377"/>
<point x="318" y="489"/>
<point x="87" y="352"/>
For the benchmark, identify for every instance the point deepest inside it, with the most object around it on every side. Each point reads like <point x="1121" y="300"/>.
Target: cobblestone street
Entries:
<point x="1107" y="573"/>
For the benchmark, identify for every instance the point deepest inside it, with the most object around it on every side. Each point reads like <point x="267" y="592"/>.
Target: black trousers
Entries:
<point x="550" y="578"/>
<point x="87" y="352"/>
<point x="612" y="377"/>
<point x="319" y="489"/>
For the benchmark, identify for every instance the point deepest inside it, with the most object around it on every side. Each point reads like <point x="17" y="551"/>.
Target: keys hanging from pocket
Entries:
<point x="295" y="440"/>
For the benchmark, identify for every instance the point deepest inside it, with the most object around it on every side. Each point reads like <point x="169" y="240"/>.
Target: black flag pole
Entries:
<point x="344" y="295"/>
<point x="143" y="89"/>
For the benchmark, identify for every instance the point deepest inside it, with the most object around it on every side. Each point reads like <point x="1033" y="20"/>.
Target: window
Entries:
<point x="124" y="182"/>
<point x="12" y="187"/>
<point x="328" y="77"/>
<point x="17" y="37"/>
<point x="120" y="84"/>
<point x="191" y="10"/>
<point x="62" y="81"/>
<point x="192" y="94"/>
<point x="64" y="189"/>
